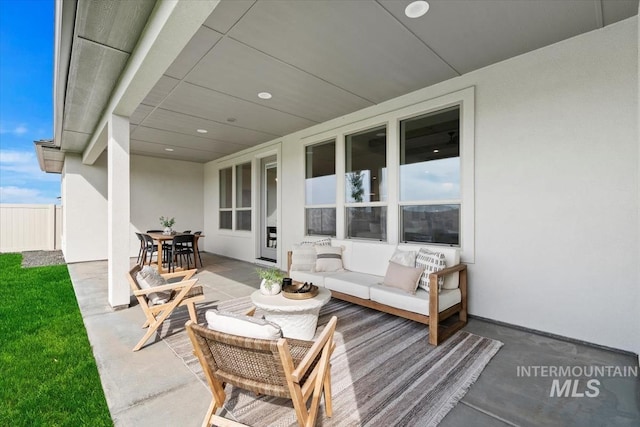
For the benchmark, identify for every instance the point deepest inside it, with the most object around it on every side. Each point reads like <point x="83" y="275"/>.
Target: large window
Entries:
<point x="430" y="178"/>
<point x="226" y="197"/>
<point x="366" y="184"/>
<point x="320" y="189"/>
<point x="243" y="197"/>
<point x="241" y="205"/>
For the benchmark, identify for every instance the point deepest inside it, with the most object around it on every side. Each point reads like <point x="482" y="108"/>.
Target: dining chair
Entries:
<point x="198" y="233"/>
<point x="141" y="251"/>
<point x="181" y="247"/>
<point x="150" y="248"/>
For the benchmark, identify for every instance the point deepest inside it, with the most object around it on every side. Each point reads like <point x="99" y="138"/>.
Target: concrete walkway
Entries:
<point x="152" y="387"/>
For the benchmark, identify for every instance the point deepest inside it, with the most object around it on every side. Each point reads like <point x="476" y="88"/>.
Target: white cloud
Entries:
<point x="19" y="195"/>
<point x="19" y="130"/>
<point x="18" y="166"/>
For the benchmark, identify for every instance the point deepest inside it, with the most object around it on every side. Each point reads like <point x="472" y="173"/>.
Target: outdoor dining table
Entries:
<point x="162" y="238"/>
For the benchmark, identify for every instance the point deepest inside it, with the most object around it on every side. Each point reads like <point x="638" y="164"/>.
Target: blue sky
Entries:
<point x="26" y="99"/>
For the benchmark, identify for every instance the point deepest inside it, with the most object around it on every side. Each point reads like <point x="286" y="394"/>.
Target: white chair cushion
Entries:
<point x="149" y="278"/>
<point x="418" y="303"/>
<point x="303" y="258"/>
<point x="317" y="278"/>
<point x="407" y="258"/>
<point x="352" y="283"/>
<point x="241" y="325"/>
<point x="431" y="262"/>
<point x="329" y="258"/>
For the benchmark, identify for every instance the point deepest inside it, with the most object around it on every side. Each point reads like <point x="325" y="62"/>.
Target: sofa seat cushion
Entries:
<point x="317" y="278"/>
<point x="418" y="303"/>
<point x="353" y="283"/>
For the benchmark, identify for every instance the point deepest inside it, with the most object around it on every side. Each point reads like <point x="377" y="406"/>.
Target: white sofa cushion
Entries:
<point x="418" y="303"/>
<point x="317" y="278"/>
<point x="407" y="258"/>
<point x="352" y="283"/>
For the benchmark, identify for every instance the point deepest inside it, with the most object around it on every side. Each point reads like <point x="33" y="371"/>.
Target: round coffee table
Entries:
<point x="297" y="318"/>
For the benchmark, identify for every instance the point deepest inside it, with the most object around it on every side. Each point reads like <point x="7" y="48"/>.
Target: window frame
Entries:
<point x="235" y="209"/>
<point x="321" y="205"/>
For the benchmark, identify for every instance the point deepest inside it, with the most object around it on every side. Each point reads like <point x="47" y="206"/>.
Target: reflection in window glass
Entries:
<point x="431" y="224"/>
<point x="225" y="188"/>
<point x="430" y="157"/>
<point x="320" y="174"/>
<point x="321" y="221"/>
<point x="243" y="220"/>
<point x="243" y="185"/>
<point x="225" y="220"/>
<point x="366" y="162"/>
<point x="367" y="222"/>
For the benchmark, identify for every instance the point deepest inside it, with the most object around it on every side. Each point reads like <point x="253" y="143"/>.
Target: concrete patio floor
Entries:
<point x="152" y="387"/>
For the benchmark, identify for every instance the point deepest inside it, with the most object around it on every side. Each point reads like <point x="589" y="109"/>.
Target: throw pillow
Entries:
<point x="431" y="262"/>
<point x="407" y="258"/>
<point x="241" y="325"/>
<point x="148" y="278"/>
<point x="402" y="277"/>
<point x="303" y="258"/>
<point x="320" y="242"/>
<point x="329" y="258"/>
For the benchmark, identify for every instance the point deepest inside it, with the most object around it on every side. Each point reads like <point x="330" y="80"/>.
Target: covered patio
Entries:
<point x="155" y="387"/>
<point x="331" y="119"/>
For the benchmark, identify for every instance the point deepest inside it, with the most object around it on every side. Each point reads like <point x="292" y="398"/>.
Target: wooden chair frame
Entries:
<point x="311" y="378"/>
<point x="156" y="314"/>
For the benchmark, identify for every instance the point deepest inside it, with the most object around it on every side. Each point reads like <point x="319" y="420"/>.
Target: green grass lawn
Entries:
<point x="48" y="376"/>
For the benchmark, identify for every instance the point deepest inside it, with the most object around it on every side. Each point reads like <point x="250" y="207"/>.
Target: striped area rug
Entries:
<point x="384" y="372"/>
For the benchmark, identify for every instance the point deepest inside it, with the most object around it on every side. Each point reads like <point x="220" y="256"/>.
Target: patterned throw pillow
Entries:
<point x="244" y="326"/>
<point x="321" y="242"/>
<point x="303" y="257"/>
<point x="148" y="278"/>
<point x="329" y="258"/>
<point x="431" y="262"/>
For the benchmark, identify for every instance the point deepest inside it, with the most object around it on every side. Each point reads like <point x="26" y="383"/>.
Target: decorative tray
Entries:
<point x="294" y="291"/>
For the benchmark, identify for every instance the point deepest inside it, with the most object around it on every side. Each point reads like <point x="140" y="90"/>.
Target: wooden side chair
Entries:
<point x="158" y="302"/>
<point x="288" y="368"/>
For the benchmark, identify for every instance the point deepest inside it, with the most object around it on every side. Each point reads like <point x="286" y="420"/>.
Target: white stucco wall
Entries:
<point x="556" y="187"/>
<point x="169" y="188"/>
<point x="84" y="217"/>
<point x="159" y="187"/>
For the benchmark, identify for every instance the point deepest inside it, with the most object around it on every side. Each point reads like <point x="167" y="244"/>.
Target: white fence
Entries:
<point x="30" y="227"/>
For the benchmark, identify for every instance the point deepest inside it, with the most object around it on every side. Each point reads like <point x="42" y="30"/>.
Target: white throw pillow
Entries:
<point x="320" y="242"/>
<point x="148" y="278"/>
<point x="431" y="262"/>
<point x="303" y="258"/>
<point x="407" y="258"/>
<point x="402" y="277"/>
<point x="329" y="258"/>
<point x="241" y="325"/>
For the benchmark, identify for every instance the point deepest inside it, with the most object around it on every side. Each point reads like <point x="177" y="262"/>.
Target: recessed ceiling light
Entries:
<point x="168" y="149"/>
<point x="416" y="9"/>
<point x="264" y="95"/>
<point x="436" y="151"/>
<point x="202" y="130"/>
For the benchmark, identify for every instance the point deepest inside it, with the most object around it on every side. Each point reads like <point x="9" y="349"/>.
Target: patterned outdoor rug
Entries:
<point x="384" y="372"/>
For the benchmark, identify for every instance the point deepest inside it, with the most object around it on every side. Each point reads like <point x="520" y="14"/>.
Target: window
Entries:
<point x="430" y="178"/>
<point x="241" y="205"/>
<point x="226" y="195"/>
<point x="243" y="197"/>
<point x="320" y="189"/>
<point x="366" y="184"/>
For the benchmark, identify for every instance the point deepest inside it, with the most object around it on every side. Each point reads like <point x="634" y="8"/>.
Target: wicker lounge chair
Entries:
<point x="288" y="368"/>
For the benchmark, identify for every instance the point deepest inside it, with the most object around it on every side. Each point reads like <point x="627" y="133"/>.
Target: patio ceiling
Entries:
<point x="319" y="59"/>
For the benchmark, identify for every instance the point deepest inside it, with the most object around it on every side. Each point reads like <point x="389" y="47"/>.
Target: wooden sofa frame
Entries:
<point x="438" y="332"/>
